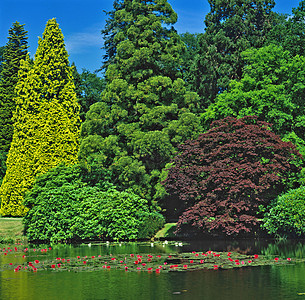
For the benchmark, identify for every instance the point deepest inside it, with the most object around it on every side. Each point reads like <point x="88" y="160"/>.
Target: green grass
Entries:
<point x="11" y="229"/>
<point x="167" y="231"/>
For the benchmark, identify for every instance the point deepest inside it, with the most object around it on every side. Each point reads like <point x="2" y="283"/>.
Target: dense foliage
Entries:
<point x="88" y="88"/>
<point x="146" y="109"/>
<point x="286" y="216"/>
<point x="288" y="31"/>
<point x="231" y="27"/>
<point x="219" y="180"/>
<point x="272" y="87"/>
<point x="65" y="205"/>
<point x="46" y="120"/>
<point x="161" y="89"/>
<point x="14" y="51"/>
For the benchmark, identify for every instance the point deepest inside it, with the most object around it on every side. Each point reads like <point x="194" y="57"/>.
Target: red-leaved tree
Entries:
<point x="218" y="181"/>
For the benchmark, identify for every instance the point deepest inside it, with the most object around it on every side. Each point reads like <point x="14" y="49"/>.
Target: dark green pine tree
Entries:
<point x="231" y="27"/>
<point x="15" y="51"/>
<point x="146" y="109"/>
<point x="289" y="31"/>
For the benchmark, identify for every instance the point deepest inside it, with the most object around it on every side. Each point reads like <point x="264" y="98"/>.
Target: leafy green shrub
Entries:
<point x="150" y="224"/>
<point x="287" y="214"/>
<point x="64" y="208"/>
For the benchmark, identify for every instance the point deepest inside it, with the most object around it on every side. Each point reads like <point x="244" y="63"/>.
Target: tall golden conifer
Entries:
<point x="46" y="121"/>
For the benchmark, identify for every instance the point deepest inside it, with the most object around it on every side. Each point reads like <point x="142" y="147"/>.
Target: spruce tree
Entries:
<point x="46" y="120"/>
<point x="146" y="109"/>
<point x="14" y="51"/>
<point x="231" y="27"/>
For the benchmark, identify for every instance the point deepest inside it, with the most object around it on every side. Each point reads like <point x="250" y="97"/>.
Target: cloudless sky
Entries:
<point x="82" y="20"/>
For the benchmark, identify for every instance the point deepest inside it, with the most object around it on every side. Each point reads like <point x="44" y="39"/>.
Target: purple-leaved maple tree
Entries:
<point x="218" y="181"/>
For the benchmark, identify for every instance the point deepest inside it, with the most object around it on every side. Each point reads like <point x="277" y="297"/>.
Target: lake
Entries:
<point x="265" y="282"/>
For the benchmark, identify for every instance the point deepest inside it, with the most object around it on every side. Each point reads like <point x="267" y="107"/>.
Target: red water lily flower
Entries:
<point x="36" y="261"/>
<point x="289" y="259"/>
<point x="255" y="256"/>
<point x="276" y="259"/>
<point x="53" y="266"/>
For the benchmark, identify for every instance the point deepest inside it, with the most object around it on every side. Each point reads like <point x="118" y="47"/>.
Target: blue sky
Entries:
<point x="82" y="20"/>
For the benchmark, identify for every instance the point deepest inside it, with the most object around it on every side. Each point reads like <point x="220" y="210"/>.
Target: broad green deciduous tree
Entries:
<point x="272" y="88"/>
<point x="14" y="51"/>
<point x="46" y="120"/>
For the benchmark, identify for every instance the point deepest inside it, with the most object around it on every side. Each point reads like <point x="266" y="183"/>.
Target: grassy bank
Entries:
<point x="167" y="231"/>
<point x="11" y="230"/>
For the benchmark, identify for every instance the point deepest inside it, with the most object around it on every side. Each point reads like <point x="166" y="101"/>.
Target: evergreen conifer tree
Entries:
<point x="146" y="109"/>
<point x="14" y="51"/>
<point x="231" y="27"/>
<point x="46" y="120"/>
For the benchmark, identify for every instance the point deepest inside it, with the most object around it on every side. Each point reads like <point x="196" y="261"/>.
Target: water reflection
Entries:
<point x="268" y="282"/>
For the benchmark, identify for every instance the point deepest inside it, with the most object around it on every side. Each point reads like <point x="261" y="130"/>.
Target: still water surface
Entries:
<point x="268" y="282"/>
